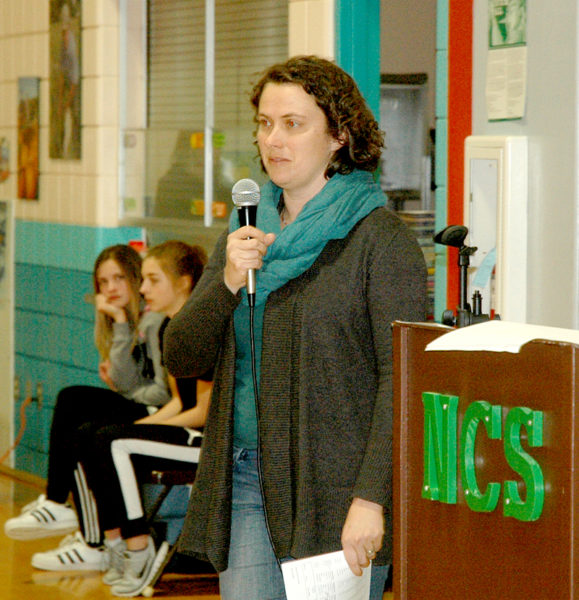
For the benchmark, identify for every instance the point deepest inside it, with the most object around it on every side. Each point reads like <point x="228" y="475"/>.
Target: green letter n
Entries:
<point x="440" y="447"/>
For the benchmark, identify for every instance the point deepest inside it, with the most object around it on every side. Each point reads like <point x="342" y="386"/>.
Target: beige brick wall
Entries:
<point x="311" y="27"/>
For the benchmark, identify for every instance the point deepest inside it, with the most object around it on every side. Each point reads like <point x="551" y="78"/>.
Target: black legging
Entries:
<point x="120" y="453"/>
<point x="76" y="406"/>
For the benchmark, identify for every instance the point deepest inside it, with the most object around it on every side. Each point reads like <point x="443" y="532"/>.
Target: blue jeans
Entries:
<point x="254" y="572"/>
<point x="378" y="581"/>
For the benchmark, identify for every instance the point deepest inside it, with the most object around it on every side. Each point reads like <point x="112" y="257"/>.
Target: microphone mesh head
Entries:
<point x="245" y="193"/>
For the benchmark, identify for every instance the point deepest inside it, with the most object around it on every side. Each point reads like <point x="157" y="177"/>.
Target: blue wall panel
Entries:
<point x="54" y="376"/>
<point x="56" y="338"/>
<point x="53" y="290"/>
<point x="35" y="419"/>
<point x="66" y="246"/>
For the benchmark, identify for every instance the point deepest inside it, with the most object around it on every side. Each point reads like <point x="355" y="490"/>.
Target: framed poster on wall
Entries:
<point x="28" y="126"/>
<point x="4" y="159"/>
<point x="65" y="72"/>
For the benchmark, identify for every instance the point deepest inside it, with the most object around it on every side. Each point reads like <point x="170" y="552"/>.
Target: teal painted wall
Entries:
<point x="441" y="165"/>
<point x="358" y="46"/>
<point x="53" y="324"/>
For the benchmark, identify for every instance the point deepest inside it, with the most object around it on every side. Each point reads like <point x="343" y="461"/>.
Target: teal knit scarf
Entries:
<point x="330" y="215"/>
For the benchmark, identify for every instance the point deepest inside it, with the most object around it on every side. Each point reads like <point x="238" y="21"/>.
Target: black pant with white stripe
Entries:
<point x="78" y="408"/>
<point x="119" y="453"/>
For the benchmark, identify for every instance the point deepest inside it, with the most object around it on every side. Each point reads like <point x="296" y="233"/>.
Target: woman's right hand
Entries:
<point x="114" y="312"/>
<point x="245" y="250"/>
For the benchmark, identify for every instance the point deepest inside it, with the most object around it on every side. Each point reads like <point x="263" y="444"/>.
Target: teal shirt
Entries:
<point x="244" y="412"/>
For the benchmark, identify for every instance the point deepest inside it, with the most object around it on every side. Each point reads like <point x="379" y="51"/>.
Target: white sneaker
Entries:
<point x="31" y="505"/>
<point x="72" y="554"/>
<point x="42" y="518"/>
<point x="138" y="570"/>
<point x="115" y="552"/>
<point x="161" y="560"/>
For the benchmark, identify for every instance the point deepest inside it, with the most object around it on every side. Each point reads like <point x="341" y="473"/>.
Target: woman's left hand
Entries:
<point x="362" y="534"/>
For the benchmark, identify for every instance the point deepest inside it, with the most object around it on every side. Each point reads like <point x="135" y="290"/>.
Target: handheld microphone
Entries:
<point x="246" y="195"/>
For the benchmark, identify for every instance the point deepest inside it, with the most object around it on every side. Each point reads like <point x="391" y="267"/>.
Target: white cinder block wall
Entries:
<point x="312" y="27"/>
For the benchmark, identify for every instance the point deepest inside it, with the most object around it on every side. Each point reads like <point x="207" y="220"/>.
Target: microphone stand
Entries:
<point x="454" y="236"/>
<point x="464" y="312"/>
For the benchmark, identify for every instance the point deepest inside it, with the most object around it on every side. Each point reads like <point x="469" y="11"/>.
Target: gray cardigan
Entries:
<point x="127" y="370"/>
<point x="325" y="398"/>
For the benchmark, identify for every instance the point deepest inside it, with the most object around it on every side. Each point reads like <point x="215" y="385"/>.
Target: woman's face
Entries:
<point x="113" y="283"/>
<point x="293" y="139"/>
<point x="158" y="289"/>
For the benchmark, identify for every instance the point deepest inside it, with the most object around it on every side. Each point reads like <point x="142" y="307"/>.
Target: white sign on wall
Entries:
<point x="506" y="77"/>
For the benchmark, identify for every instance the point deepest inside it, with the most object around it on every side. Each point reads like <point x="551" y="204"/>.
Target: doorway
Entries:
<point x="408" y="117"/>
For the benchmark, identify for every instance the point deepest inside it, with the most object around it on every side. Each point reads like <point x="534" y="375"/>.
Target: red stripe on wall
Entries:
<point x="459" y="123"/>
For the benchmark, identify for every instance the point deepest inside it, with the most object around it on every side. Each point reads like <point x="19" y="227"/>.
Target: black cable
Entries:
<point x="256" y="396"/>
<point x="253" y="365"/>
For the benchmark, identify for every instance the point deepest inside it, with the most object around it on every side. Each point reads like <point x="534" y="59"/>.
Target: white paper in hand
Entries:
<point x="324" y="577"/>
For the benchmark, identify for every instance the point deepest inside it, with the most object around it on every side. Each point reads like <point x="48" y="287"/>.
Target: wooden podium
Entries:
<point x="486" y="449"/>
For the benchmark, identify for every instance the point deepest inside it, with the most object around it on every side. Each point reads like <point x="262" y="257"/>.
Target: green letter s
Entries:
<point x="524" y="464"/>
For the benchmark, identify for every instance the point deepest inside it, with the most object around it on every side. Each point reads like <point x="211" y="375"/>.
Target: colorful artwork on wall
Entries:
<point x="4" y="159"/>
<point x="28" y="126"/>
<point x="65" y="78"/>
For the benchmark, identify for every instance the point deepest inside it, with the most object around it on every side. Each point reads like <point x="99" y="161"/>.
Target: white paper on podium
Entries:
<point x="324" y="577"/>
<point x="500" y="336"/>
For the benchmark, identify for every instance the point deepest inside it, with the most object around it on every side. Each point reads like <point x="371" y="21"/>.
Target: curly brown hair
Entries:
<point x="349" y="118"/>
